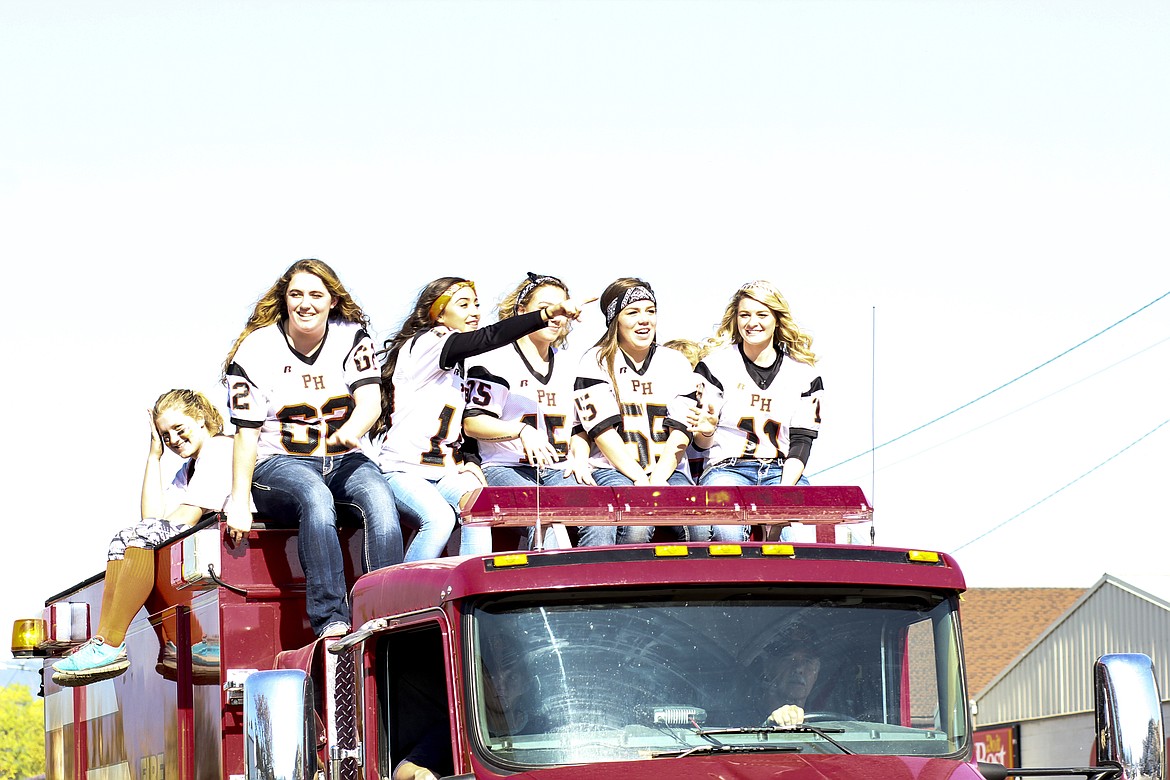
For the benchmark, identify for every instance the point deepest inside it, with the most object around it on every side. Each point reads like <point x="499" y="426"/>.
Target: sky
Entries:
<point x="965" y="203"/>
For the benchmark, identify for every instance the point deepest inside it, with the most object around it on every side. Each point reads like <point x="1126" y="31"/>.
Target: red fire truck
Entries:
<point x="641" y="661"/>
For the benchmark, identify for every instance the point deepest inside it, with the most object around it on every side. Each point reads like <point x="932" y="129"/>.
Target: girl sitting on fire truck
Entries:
<point x="188" y="424"/>
<point x="423" y="403"/>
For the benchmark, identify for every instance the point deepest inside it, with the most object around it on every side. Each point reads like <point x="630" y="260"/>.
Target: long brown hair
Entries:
<point x="271" y="308"/>
<point x="416" y="322"/>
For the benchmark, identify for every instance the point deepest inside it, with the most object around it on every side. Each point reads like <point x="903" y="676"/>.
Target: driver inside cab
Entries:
<point x="793" y="675"/>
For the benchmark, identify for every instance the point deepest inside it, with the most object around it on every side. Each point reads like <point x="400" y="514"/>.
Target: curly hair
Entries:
<point x="511" y="304"/>
<point x="788" y="336"/>
<point x="418" y="321"/>
<point x="192" y="403"/>
<point x="271" y="308"/>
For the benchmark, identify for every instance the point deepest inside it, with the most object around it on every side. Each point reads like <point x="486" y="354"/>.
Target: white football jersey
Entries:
<point x="503" y="384"/>
<point x="428" y="409"/>
<point x="758" y="407"/>
<point x="298" y="401"/>
<point x="653" y="400"/>
<point x="207" y="483"/>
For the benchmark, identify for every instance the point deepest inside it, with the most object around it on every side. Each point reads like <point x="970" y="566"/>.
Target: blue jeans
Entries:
<point x="526" y="476"/>
<point x="597" y="535"/>
<point x="433" y="508"/>
<point x="748" y="472"/>
<point x="305" y="492"/>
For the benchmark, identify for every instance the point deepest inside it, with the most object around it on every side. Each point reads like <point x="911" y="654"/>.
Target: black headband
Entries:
<point x="632" y="295"/>
<point x="533" y="282"/>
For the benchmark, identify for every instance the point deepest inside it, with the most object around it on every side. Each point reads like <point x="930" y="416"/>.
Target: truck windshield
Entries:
<point x="568" y="679"/>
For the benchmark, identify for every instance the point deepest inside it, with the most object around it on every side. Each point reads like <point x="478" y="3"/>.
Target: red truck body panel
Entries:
<point x="179" y="726"/>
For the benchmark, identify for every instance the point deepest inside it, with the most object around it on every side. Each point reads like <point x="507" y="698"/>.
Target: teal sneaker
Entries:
<point x="204" y="662"/>
<point x="95" y="660"/>
<point x="205" y="654"/>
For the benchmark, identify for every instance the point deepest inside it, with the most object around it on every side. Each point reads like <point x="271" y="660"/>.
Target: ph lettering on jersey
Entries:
<point x="761" y="403"/>
<point x="645" y="388"/>
<point x="314" y="382"/>
<point x="545" y="398"/>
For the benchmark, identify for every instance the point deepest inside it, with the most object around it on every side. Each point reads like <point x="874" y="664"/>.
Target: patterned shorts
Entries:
<point x="145" y="533"/>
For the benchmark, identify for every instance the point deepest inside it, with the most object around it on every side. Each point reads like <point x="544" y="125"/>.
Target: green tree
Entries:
<point x="22" y="733"/>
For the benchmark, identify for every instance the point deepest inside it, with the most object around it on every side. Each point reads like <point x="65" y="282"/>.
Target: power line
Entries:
<point x="1028" y="405"/>
<point x="993" y="529"/>
<point x="996" y="390"/>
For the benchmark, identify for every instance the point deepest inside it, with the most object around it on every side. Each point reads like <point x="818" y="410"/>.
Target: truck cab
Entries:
<point x="802" y="653"/>
<point x="652" y="657"/>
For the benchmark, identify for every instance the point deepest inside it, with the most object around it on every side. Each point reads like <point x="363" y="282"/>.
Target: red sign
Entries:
<point x="998" y="746"/>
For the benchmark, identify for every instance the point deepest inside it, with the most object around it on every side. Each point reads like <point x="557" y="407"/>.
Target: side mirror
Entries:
<point x="1130" y="734"/>
<point x="279" y="726"/>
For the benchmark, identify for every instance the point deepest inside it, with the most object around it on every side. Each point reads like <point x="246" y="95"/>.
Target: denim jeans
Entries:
<point x="433" y="508"/>
<point x="526" y="476"/>
<point x="746" y="472"/>
<point x="597" y="535"/>
<point x="305" y="492"/>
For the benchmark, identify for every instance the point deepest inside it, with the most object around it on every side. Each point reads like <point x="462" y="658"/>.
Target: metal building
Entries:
<point x="1046" y="693"/>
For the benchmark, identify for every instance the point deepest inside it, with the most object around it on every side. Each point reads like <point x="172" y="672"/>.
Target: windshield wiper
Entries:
<point x="709" y="749"/>
<point x="802" y="728"/>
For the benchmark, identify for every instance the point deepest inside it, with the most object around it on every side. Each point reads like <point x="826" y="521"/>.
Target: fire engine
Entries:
<point x="639" y="661"/>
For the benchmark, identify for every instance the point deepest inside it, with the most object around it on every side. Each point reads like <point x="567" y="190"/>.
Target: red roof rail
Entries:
<point x="667" y="505"/>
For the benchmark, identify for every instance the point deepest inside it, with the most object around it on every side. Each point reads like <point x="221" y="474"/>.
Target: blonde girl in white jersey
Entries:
<point x="188" y="424"/>
<point x="520" y="397"/>
<point x="761" y="397"/>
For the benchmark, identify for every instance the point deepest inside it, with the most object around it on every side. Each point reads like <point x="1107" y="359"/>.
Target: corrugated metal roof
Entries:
<point x="1053" y="676"/>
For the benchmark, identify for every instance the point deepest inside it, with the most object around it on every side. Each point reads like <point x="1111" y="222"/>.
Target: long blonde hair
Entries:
<point x="511" y="304"/>
<point x="788" y="336"/>
<point x="271" y="308"/>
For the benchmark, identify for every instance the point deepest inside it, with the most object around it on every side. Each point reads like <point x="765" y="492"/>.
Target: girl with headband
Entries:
<point x="423" y="402"/>
<point x="520" y="397"/>
<point x="761" y="397"/>
<point x="634" y="402"/>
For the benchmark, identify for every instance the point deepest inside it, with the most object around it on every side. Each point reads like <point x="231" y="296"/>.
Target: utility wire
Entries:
<point x="1028" y="405"/>
<point x="993" y="529"/>
<point x="996" y="390"/>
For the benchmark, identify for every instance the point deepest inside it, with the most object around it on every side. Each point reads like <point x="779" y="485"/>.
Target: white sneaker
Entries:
<point x="334" y="630"/>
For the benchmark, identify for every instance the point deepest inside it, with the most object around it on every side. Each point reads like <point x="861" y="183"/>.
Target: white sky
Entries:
<point x="989" y="182"/>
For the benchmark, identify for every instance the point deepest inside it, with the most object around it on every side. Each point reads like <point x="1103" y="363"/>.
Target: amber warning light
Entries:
<point x="26" y="636"/>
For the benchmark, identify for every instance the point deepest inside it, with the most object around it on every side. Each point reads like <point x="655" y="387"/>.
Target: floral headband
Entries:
<point x="632" y="295"/>
<point x="441" y="302"/>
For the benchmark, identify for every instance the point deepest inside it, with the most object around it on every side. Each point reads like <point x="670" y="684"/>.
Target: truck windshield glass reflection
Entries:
<point x="635" y="675"/>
